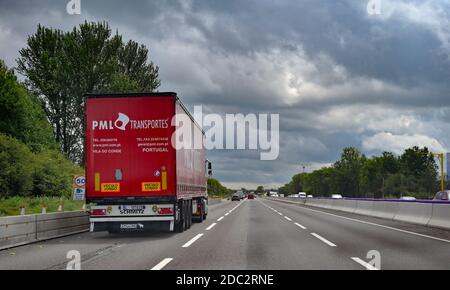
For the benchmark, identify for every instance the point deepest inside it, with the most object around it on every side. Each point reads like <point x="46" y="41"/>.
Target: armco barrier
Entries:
<point x="59" y="224"/>
<point x="414" y="212"/>
<point x="20" y="230"/>
<point x="441" y="216"/>
<point x="17" y="230"/>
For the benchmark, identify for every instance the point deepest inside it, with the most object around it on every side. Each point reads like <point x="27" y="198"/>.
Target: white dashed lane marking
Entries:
<point x="192" y="240"/>
<point x="324" y="240"/>
<point x="162" y="264"/>
<point x="364" y="264"/>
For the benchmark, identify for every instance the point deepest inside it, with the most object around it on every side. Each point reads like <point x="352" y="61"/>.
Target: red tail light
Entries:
<point x="165" y="210"/>
<point x="98" y="212"/>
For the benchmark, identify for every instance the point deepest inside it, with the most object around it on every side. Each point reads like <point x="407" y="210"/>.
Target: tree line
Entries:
<point x="413" y="173"/>
<point x="216" y="189"/>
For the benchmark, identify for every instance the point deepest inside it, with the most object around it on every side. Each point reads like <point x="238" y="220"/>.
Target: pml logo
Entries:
<point x="121" y="123"/>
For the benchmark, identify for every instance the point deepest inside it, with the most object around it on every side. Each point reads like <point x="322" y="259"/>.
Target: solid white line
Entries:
<point x="364" y="264"/>
<point x="227" y="213"/>
<point x="192" y="240"/>
<point x="324" y="240"/>
<point x="219" y="219"/>
<point x="162" y="264"/>
<point x="378" y="225"/>
<point x="288" y="218"/>
<point x="211" y="226"/>
<point x="299" y="225"/>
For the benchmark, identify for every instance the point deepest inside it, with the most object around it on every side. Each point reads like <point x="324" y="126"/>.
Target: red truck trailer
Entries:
<point x="138" y="178"/>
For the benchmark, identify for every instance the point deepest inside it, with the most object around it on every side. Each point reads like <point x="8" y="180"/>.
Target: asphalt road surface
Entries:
<point x="251" y="234"/>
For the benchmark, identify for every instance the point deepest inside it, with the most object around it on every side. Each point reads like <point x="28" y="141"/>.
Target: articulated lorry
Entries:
<point x="141" y="174"/>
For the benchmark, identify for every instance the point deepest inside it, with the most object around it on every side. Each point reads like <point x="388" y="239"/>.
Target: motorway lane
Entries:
<point x="104" y="251"/>
<point x="255" y="238"/>
<point x="398" y="249"/>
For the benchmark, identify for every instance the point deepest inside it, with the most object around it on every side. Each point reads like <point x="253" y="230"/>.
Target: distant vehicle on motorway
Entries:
<point x="407" y="198"/>
<point x="273" y="194"/>
<point x="309" y="196"/>
<point x="336" y="196"/>
<point x="295" y="195"/>
<point x="236" y="196"/>
<point x="251" y="196"/>
<point x="442" y="195"/>
<point x="302" y="194"/>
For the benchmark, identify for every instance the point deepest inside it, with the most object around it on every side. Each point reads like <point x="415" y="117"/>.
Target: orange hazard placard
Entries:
<point x="110" y="187"/>
<point x="151" y="186"/>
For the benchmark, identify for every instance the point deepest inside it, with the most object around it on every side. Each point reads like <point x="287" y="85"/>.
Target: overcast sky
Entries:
<point x="336" y="75"/>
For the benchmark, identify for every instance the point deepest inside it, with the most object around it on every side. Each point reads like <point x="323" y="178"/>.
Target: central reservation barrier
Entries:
<point x="421" y="212"/>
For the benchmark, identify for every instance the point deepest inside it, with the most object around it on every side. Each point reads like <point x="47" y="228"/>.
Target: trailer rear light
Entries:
<point x="98" y="212"/>
<point x="165" y="210"/>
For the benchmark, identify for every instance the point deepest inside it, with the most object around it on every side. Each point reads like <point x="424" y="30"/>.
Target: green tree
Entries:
<point x="21" y="115"/>
<point x="349" y="169"/>
<point x="419" y="165"/>
<point x="259" y="189"/>
<point x="60" y="67"/>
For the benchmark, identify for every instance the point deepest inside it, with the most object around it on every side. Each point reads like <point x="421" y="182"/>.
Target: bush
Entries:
<point x="16" y="163"/>
<point x="53" y="174"/>
<point x="26" y="174"/>
<point x="216" y="189"/>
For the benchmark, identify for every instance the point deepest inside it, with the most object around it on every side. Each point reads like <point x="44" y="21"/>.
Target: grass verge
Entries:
<point x="11" y="206"/>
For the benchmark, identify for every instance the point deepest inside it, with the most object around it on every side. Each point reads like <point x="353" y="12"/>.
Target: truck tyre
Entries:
<point x="180" y="225"/>
<point x="205" y="214"/>
<point x="186" y="216"/>
<point x="189" y="214"/>
<point x="202" y="212"/>
<point x="201" y="217"/>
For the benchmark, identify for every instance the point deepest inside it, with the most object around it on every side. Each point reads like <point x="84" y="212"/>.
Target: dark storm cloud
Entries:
<point x="336" y="75"/>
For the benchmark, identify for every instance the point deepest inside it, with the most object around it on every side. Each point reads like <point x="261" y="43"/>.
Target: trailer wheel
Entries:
<point x="201" y="216"/>
<point x="202" y="211"/>
<point x="205" y="204"/>
<point x="189" y="214"/>
<point x="180" y="225"/>
<point x="186" y="215"/>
